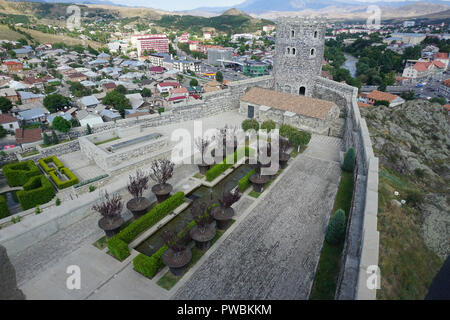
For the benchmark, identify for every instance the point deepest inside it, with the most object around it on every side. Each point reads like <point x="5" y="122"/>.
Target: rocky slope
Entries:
<point x="413" y="140"/>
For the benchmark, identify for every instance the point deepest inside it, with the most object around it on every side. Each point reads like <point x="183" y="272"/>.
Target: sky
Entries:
<point x="180" y="5"/>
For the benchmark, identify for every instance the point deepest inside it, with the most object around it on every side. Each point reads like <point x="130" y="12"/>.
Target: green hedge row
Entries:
<point x="64" y="184"/>
<point x="4" y="211"/>
<point x="118" y="245"/>
<point x="38" y="190"/>
<point x="220" y="168"/>
<point x="245" y="181"/>
<point x="44" y="161"/>
<point x="18" y="173"/>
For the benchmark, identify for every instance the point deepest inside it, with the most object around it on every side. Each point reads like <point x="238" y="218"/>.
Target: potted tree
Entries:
<point x="204" y="230"/>
<point x="257" y="179"/>
<point x="202" y="145"/>
<point x="161" y="171"/>
<point x="177" y="255"/>
<point x="136" y="186"/>
<point x="110" y="208"/>
<point x="223" y="213"/>
<point x="224" y="135"/>
<point x="284" y="156"/>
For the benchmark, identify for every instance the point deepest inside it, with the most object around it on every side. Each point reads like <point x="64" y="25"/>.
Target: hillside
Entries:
<point x="413" y="146"/>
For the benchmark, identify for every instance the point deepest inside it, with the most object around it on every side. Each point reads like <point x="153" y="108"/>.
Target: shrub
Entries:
<point x="244" y="183"/>
<point x="64" y="184"/>
<point x="287" y="130"/>
<point x="17" y="174"/>
<point x="4" y="210"/>
<point x="414" y="197"/>
<point x="296" y="137"/>
<point x="44" y="161"/>
<point x="336" y="228"/>
<point x="58" y="201"/>
<point x="250" y="124"/>
<point x="38" y="190"/>
<point x="92" y="188"/>
<point x="118" y="248"/>
<point x="268" y="125"/>
<point x="219" y="168"/>
<point x="148" y="266"/>
<point x="349" y="160"/>
<point x="152" y="217"/>
<point x="381" y="103"/>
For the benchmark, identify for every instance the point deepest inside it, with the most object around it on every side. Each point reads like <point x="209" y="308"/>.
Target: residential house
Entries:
<point x="420" y="70"/>
<point x="110" y="115"/>
<point x="376" y="95"/>
<point x="51" y="117"/>
<point x="25" y="52"/>
<point x="9" y="93"/>
<point x="444" y="89"/>
<point x="75" y="77"/>
<point x="88" y="118"/>
<point x="212" y="86"/>
<point x="443" y="58"/>
<point x="109" y="86"/>
<point x="135" y="99"/>
<point x="30" y="97"/>
<point x="88" y="102"/>
<point x="33" y="115"/>
<point x="28" y="135"/>
<point x="165" y="87"/>
<point x="9" y="122"/>
<point x="187" y="65"/>
<point x="12" y="66"/>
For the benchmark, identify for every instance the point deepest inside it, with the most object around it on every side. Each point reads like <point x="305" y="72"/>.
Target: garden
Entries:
<point x="177" y="229"/>
<point x="60" y="175"/>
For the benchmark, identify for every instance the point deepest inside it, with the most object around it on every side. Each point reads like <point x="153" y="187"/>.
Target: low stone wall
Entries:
<point x="362" y="240"/>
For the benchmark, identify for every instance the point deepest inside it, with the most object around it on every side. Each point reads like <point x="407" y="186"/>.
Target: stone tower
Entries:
<point x="299" y="47"/>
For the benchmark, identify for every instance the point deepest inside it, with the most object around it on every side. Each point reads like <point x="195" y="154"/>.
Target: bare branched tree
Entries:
<point x="161" y="170"/>
<point x="138" y="183"/>
<point x="109" y="206"/>
<point x="202" y="144"/>
<point x="172" y="240"/>
<point x="227" y="133"/>
<point x="202" y="215"/>
<point x="230" y="197"/>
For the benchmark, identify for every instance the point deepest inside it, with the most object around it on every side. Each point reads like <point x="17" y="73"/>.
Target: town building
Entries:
<point x="10" y="94"/>
<point x="376" y="95"/>
<point x="12" y="66"/>
<point x="255" y="68"/>
<point x="9" y="122"/>
<point x="217" y="55"/>
<point x="152" y="42"/>
<point x="28" y="135"/>
<point x="411" y="38"/>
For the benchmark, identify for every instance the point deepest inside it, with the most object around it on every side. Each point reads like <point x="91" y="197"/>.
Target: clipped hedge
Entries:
<point x="18" y="173"/>
<point x="38" y="190"/>
<point x="244" y="182"/>
<point x="220" y="168"/>
<point x="296" y="137"/>
<point x="44" y="161"/>
<point x="117" y="243"/>
<point x="248" y="124"/>
<point x="268" y="125"/>
<point x="4" y="211"/>
<point x="64" y="184"/>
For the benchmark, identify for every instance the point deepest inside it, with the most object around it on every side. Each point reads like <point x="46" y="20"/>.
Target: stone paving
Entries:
<point x="274" y="251"/>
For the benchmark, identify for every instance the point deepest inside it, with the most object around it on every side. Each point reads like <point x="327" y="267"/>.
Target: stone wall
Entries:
<point x="362" y="239"/>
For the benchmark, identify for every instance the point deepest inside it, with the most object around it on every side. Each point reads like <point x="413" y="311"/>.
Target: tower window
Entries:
<point x="312" y="52"/>
<point x="293" y="51"/>
<point x="315" y="34"/>
<point x="302" y="91"/>
<point x="288" y="50"/>
<point x="292" y="33"/>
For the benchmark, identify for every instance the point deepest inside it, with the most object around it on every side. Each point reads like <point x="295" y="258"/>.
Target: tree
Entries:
<point x="137" y="184"/>
<point x="193" y="83"/>
<point x="117" y="100"/>
<point x="55" y="138"/>
<point x="336" y="228"/>
<point x="408" y="95"/>
<point x="268" y="125"/>
<point x="3" y="132"/>
<point x="219" y="76"/>
<point x="248" y="124"/>
<point x="121" y="89"/>
<point x="55" y="102"/>
<point x="61" y="124"/>
<point x="5" y="105"/>
<point x="439" y="100"/>
<point x="161" y="170"/>
<point x="46" y="139"/>
<point x="146" y="92"/>
<point x="109" y="207"/>
<point x="381" y="103"/>
<point x="349" y="160"/>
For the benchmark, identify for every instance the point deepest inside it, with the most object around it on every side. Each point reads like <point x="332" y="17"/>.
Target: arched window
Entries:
<point x="302" y="91"/>
<point x="292" y="33"/>
<point x="293" y="51"/>
<point x="315" y="34"/>
<point x="288" y="50"/>
<point x="312" y="52"/>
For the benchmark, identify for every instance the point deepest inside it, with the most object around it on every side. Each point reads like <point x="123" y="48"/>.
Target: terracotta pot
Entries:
<point x="138" y="207"/>
<point x="162" y="191"/>
<point x="177" y="261"/>
<point x="258" y="182"/>
<point x="111" y="226"/>
<point x="284" y="158"/>
<point x="203" y="168"/>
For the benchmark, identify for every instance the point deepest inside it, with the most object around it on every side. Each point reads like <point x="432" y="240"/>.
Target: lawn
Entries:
<point x="325" y="281"/>
<point x="106" y="141"/>
<point x="28" y="154"/>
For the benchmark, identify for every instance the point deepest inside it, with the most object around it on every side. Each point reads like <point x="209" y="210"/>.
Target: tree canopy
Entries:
<point x="61" y="124"/>
<point x="5" y="104"/>
<point x="55" y="102"/>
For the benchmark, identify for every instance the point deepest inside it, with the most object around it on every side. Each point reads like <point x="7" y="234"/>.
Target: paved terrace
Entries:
<point x="274" y="251"/>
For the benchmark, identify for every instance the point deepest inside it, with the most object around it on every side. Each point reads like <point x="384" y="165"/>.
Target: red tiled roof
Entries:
<point x="177" y="98"/>
<point x="28" y="135"/>
<point x="447" y="82"/>
<point x="156" y="69"/>
<point x="169" y="84"/>
<point x="6" y="118"/>
<point x="109" y="85"/>
<point x="380" y="95"/>
<point x="422" y="66"/>
<point x="10" y="63"/>
<point x="439" y="64"/>
<point x="446" y="106"/>
<point x="363" y="105"/>
<point x="441" y="55"/>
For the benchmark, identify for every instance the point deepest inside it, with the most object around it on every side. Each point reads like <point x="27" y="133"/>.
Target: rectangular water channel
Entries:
<point x="154" y="242"/>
